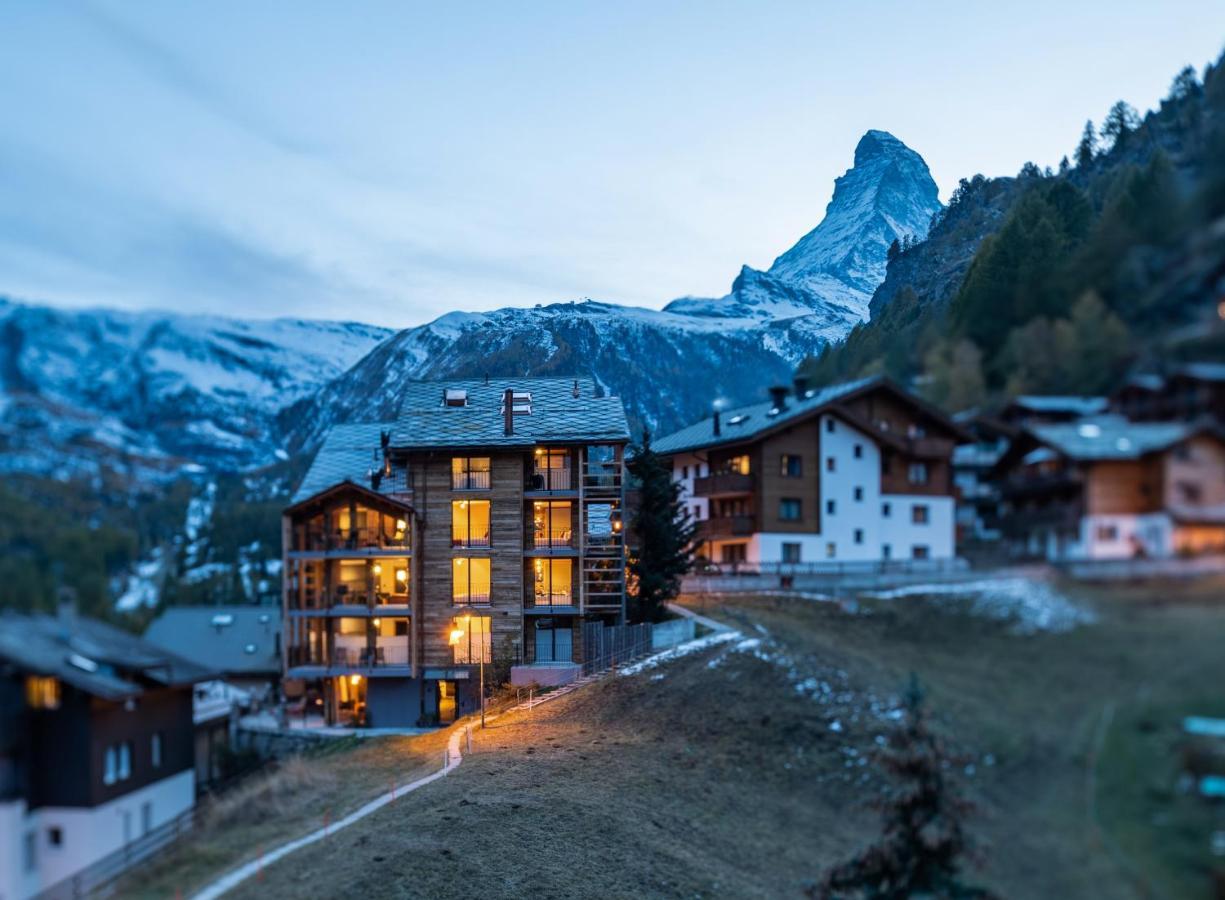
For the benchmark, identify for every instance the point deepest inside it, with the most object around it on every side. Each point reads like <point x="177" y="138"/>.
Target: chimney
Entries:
<point x="718" y="424"/>
<point x="801" y="386"/>
<point x="778" y="397"/>
<point x="508" y="411"/>
<point x="384" y="439"/>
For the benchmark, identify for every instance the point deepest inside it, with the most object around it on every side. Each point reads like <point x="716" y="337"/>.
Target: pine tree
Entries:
<point x="663" y="532"/>
<point x="1086" y="150"/>
<point x="923" y="841"/>
<point x="1119" y="124"/>
<point x="1064" y="166"/>
<point x="1185" y="85"/>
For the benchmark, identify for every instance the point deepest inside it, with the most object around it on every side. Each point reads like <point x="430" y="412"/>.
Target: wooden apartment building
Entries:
<point x="854" y="472"/>
<point x="1107" y="488"/>
<point x="484" y="522"/>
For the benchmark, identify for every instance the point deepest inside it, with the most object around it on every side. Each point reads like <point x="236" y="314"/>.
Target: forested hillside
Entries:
<point x="1060" y="280"/>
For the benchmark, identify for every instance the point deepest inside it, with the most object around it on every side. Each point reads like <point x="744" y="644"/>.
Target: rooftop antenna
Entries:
<point x="575" y="391"/>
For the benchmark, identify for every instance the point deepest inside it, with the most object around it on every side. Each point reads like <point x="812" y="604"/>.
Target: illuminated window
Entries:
<point x="470" y="580"/>
<point x="551" y="523"/>
<point x="43" y="692"/>
<point x="470" y="638"/>
<point x="470" y="473"/>
<point x="737" y="465"/>
<point x="791" y="465"/>
<point x="470" y="523"/>
<point x="390" y="578"/>
<point x="155" y="749"/>
<point x="552" y="582"/>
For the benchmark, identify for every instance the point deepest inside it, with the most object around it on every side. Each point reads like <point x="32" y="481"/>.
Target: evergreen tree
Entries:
<point x="1185" y="85"/>
<point x="1064" y="166"/>
<point x="1094" y="344"/>
<point x="1087" y="148"/>
<point x="1119" y="124"/>
<point x="663" y="532"/>
<point x="894" y="251"/>
<point x="954" y="370"/>
<point x="923" y="840"/>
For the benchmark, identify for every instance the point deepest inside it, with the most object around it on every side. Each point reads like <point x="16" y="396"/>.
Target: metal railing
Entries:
<point x="554" y="479"/>
<point x="465" y="542"/>
<point x="608" y="646"/>
<point x="317" y="541"/>
<point x="95" y="878"/>
<point x="544" y="599"/>
<point x="558" y="538"/>
<point x="470" y="481"/>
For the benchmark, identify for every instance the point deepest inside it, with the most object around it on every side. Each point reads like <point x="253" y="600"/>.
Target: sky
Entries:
<point x="391" y="162"/>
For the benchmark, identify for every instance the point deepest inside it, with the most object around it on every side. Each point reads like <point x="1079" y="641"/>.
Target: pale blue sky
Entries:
<point x="390" y="162"/>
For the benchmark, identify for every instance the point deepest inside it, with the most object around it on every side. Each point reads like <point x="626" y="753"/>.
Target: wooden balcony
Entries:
<point x="358" y="542"/>
<point x="726" y="527"/>
<point x="723" y="484"/>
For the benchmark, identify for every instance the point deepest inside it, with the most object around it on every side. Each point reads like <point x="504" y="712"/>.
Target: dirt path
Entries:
<point x="254" y="868"/>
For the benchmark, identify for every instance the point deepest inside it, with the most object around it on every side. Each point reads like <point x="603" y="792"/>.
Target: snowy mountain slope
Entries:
<point x="832" y="271"/>
<point x="669" y="365"/>
<point x="151" y="390"/>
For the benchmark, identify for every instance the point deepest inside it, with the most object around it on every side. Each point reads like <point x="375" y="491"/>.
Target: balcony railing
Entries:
<point x="602" y="478"/>
<point x="318" y="541"/>
<point x="465" y="542"/>
<point x="470" y="481"/>
<point x="552" y="479"/>
<point x="538" y="599"/>
<point x="471" y="599"/>
<point x="556" y="539"/>
<point x="726" y="526"/>
<point x="386" y="652"/>
<point x="723" y="483"/>
<point x="344" y="596"/>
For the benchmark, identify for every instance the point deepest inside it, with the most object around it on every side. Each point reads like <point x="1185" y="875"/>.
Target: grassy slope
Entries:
<point x="726" y="782"/>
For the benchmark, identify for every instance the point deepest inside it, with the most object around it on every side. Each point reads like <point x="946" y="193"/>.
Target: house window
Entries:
<point x="830" y="507"/>
<point x="918" y="514"/>
<point x="791" y="552"/>
<point x="886" y="510"/>
<point x="470" y="580"/>
<point x="125" y="761"/>
<point x="155" y="749"/>
<point x="859" y="493"/>
<point x="830" y="464"/>
<point x="1188" y="492"/>
<point x="29" y="848"/>
<point x="829" y="426"/>
<point x="858" y="535"/>
<point x="917" y="473"/>
<point x="470" y="523"/>
<point x="551" y="523"/>
<point x="551" y="470"/>
<point x="886" y="550"/>
<point x="791" y="465"/>
<point x="733" y="553"/>
<point x="146" y="817"/>
<point x="790" y="509"/>
<point x="470" y="638"/>
<point x="858" y="452"/>
<point x="831" y="550"/>
<point x="42" y="692"/>
<point x="920" y="551"/>
<point x="55" y="836"/>
<point x="684" y="471"/>
<point x="552" y="582"/>
<point x="470" y="473"/>
<point x="1107" y="532"/>
<point x="737" y="465"/>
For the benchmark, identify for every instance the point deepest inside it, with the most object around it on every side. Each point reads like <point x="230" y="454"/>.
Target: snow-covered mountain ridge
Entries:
<point x="156" y="391"/>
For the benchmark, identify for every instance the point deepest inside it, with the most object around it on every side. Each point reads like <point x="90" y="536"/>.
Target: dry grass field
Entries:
<point x="743" y="770"/>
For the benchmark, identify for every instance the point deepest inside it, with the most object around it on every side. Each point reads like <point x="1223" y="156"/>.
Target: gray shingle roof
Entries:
<point x="557" y="415"/>
<point x="348" y="453"/>
<point x="230" y="639"/>
<point x="1112" y="437"/>
<point x="745" y="422"/>
<point x="1079" y="406"/>
<point x="91" y="656"/>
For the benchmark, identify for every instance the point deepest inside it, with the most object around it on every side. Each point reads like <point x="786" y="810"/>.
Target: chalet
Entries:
<point x="978" y="499"/>
<point x="481" y="525"/>
<point x="241" y="643"/>
<point x="1106" y="488"/>
<point x="95" y="745"/>
<point x="851" y="472"/>
<point x="1188" y="392"/>
<point x="1029" y="409"/>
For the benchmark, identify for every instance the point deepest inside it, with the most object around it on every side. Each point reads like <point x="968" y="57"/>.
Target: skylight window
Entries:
<point x="1089" y="430"/>
<point x="1123" y="443"/>
<point x="736" y="420"/>
<point x="223" y="619"/>
<point x="84" y="663"/>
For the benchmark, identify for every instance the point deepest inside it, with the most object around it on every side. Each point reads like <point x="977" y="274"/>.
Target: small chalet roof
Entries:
<point x="348" y="453"/>
<point x="553" y="414"/>
<point x="89" y="655"/>
<point x="234" y="640"/>
<point x="1112" y="437"/>
<point x="1145" y="381"/>
<point x="1202" y="371"/>
<point x="1069" y="404"/>
<point x="747" y="422"/>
